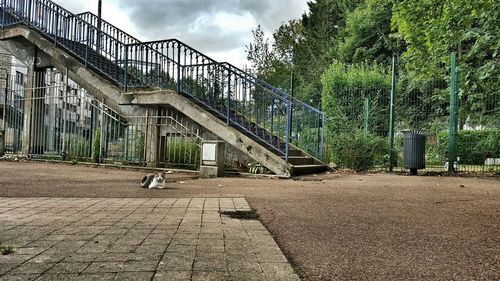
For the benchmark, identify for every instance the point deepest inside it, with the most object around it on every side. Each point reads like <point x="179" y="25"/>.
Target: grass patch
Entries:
<point x="6" y="250"/>
<point x="242" y="215"/>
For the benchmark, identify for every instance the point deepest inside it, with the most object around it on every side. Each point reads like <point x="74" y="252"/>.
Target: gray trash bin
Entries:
<point x="414" y="151"/>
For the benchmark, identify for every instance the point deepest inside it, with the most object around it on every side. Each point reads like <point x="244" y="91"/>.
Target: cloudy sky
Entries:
<point x="219" y="28"/>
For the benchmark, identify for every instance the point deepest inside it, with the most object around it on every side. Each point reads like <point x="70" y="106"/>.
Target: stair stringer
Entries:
<point x="215" y="125"/>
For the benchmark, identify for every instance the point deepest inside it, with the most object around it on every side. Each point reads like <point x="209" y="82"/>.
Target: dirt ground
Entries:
<point x="332" y="227"/>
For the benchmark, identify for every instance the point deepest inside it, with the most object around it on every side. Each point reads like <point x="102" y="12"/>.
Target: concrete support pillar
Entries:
<point x="94" y="120"/>
<point x="152" y="140"/>
<point x="161" y="144"/>
<point x="28" y="99"/>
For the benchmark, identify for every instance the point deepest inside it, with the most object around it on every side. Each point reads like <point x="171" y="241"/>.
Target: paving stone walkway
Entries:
<point x="136" y="239"/>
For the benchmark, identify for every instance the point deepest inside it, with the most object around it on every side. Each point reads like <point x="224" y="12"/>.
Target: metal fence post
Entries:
<point x="146" y="140"/>
<point x="392" y="155"/>
<point x="288" y="125"/>
<point x="321" y="148"/>
<point x="367" y="116"/>
<point x="452" y="135"/>
<point x="104" y="134"/>
<point x="64" y="114"/>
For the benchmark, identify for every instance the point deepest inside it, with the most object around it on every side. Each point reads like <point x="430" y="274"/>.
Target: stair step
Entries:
<point x="308" y="169"/>
<point x="300" y="160"/>
<point x="294" y="152"/>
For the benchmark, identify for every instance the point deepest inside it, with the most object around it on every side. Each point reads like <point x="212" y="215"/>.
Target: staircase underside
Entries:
<point x="27" y="43"/>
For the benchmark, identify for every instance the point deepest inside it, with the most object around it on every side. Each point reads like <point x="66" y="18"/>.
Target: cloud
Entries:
<point x="200" y="20"/>
<point x="212" y="26"/>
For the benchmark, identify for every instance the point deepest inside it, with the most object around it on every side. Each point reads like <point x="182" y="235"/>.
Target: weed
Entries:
<point x="6" y="250"/>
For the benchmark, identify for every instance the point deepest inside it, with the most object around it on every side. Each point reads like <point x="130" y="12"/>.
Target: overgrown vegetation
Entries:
<point x="474" y="146"/>
<point x="341" y="50"/>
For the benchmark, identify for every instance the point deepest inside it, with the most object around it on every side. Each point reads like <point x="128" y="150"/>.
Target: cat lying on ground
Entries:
<point x="153" y="181"/>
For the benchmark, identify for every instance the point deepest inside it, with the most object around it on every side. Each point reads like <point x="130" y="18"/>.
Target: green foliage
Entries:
<point x="318" y="46"/>
<point x="338" y="50"/>
<point x="96" y="146"/>
<point x="78" y="148"/>
<point x="367" y="36"/>
<point x="345" y="89"/>
<point x="433" y="28"/>
<point x="309" y="139"/>
<point x="473" y="146"/>
<point x="354" y="150"/>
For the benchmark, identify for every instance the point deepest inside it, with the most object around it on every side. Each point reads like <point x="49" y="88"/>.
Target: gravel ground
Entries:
<point x="332" y="227"/>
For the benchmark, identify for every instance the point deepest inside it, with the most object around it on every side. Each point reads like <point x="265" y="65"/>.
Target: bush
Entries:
<point x="473" y="147"/>
<point x="356" y="151"/>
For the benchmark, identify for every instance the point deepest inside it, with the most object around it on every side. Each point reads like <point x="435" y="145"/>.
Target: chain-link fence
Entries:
<point x="369" y="109"/>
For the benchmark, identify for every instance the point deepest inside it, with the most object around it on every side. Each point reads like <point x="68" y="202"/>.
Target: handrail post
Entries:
<point x="272" y="120"/>
<point x="116" y="60"/>
<point x="288" y="119"/>
<point x="29" y="13"/>
<point x="125" y="78"/>
<point x="87" y="46"/>
<point x="228" y="113"/>
<point x="56" y="26"/>
<point x="178" y="67"/>
<point x="3" y="13"/>
<point x="66" y="27"/>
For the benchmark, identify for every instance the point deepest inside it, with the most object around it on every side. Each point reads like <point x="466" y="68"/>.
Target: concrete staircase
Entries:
<point x="119" y="68"/>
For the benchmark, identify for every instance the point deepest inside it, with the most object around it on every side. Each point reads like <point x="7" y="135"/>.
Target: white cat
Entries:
<point x="154" y="181"/>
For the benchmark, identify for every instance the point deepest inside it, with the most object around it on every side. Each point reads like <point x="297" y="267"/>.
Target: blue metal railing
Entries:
<point x="267" y="113"/>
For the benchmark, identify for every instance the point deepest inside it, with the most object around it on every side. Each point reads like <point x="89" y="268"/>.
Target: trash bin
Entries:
<point x="414" y="151"/>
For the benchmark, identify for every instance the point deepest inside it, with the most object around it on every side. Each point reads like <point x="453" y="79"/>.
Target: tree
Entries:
<point x="259" y="52"/>
<point x="368" y="36"/>
<point x="317" y="49"/>
<point x="434" y="28"/>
